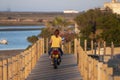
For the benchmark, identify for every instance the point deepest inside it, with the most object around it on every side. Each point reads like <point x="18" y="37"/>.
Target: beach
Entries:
<point x="9" y="53"/>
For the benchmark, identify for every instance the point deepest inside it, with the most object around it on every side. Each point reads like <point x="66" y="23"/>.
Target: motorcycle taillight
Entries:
<point x="55" y="52"/>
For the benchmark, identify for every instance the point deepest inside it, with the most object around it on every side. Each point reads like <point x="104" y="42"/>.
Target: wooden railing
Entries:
<point x="19" y="67"/>
<point x="92" y="68"/>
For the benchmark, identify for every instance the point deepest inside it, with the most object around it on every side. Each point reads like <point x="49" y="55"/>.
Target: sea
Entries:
<point x="17" y="39"/>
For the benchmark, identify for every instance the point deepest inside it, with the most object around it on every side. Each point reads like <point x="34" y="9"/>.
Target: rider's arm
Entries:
<point x="61" y="42"/>
<point x="50" y="42"/>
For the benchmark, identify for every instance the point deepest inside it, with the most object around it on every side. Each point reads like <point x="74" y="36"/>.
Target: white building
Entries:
<point x="114" y="6"/>
<point x="70" y="11"/>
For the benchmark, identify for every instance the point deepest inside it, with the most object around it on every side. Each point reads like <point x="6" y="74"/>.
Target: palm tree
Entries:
<point x="59" y="22"/>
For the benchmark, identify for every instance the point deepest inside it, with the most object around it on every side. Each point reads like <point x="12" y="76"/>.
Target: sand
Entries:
<point x="9" y="53"/>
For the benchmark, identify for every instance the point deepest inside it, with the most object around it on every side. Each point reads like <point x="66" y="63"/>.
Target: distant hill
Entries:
<point x="26" y="18"/>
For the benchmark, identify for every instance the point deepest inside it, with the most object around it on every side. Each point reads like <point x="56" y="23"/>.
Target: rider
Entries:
<point x="55" y="41"/>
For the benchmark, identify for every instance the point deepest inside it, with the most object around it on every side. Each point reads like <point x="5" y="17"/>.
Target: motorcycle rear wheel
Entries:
<point x="55" y="63"/>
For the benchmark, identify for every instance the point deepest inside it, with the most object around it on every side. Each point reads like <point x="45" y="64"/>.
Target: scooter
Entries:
<point x="56" y="58"/>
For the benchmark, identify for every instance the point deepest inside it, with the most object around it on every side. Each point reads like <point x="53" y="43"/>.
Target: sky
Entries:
<point x="50" y="5"/>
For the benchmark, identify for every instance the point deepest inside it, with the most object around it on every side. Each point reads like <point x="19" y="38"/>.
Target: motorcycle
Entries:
<point x="56" y="58"/>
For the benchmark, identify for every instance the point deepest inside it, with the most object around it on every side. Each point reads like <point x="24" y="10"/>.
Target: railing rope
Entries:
<point x="91" y="68"/>
<point x="46" y="45"/>
<point x="19" y="67"/>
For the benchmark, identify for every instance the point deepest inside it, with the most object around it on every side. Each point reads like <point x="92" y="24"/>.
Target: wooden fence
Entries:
<point x="18" y="67"/>
<point x="92" y="68"/>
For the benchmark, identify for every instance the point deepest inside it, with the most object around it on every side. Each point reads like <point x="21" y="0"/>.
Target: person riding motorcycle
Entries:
<point x="55" y="42"/>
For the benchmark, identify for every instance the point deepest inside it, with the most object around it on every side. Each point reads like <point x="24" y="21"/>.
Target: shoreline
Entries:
<point x="20" y="29"/>
<point x="9" y="53"/>
<point x="20" y="24"/>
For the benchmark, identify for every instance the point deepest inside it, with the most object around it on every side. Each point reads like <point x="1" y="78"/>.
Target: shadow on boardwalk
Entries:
<point x="115" y="64"/>
<point x="67" y="70"/>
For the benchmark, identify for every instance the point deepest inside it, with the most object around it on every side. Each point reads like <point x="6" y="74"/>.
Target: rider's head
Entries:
<point x="56" y="33"/>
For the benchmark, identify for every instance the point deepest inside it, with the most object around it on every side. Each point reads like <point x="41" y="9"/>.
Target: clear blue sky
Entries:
<point x="50" y="5"/>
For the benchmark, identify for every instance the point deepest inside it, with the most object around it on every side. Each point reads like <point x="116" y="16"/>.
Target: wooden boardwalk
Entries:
<point x="67" y="70"/>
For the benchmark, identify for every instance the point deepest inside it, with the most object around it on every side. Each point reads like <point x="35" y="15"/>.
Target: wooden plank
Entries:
<point x="67" y="70"/>
<point x="1" y="70"/>
<point x="9" y="68"/>
<point x="117" y="78"/>
<point x="5" y="69"/>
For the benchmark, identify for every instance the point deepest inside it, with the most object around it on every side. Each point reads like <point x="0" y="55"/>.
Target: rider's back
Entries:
<point x="56" y="41"/>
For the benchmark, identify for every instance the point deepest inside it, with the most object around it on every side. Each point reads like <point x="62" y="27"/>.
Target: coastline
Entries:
<point x="12" y="52"/>
<point x="20" y="29"/>
<point x="20" y="23"/>
<point x="9" y="53"/>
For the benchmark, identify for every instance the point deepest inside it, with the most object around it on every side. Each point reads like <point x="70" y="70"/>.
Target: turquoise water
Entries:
<point x="17" y="39"/>
<point x="21" y="27"/>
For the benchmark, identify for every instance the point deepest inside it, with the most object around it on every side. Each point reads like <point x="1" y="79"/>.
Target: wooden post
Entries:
<point x="1" y="70"/>
<point x="41" y="43"/>
<point x="69" y="44"/>
<point x="34" y="57"/>
<point x="62" y="47"/>
<point x="39" y="47"/>
<point x="25" y="67"/>
<point x="29" y="60"/>
<point x="116" y="78"/>
<point x="46" y="45"/>
<point x="99" y="70"/>
<point x="18" y="66"/>
<point x="110" y="73"/>
<point x="79" y="41"/>
<point x="43" y="46"/>
<point x="75" y="46"/>
<point x="16" y="69"/>
<point x="104" y="48"/>
<point x="112" y="49"/>
<point x="35" y="53"/>
<point x="85" y="45"/>
<point x="5" y="70"/>
<point x="36" y="50"/>
<point x="99" y="48"/>
<point x="92" y="46"/>
<point x="13" y="65"/>
<point x="87" y="68"/>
